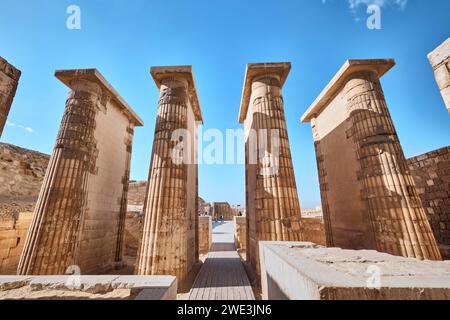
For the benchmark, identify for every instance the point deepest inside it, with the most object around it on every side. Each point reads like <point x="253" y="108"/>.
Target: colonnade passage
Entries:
<point x="368" y="194"/>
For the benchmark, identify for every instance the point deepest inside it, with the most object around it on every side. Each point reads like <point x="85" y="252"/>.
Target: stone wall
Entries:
<point x="13" y="232"/>
<point x="431" y="173"/>
<point x="240" y="233"/>
<point x="223" y="209"/>
<point x="21" y="175"/>
<point x="9" y="80"/>
<point x="133" y="232"/>
<point x="136" y="193"/>
<point x="204" y="234"/>
<point x="313" y="230"/>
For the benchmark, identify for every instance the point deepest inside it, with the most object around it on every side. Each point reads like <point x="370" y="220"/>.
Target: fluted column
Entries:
<point x="398" y="220"/>
<point x="272" y="199"/>
<point x="9" y="80"/>
<point x="79" y="217"/>
<point x="369" y="198"/>
<point x="172" y="182"/>
<point x="53" y="239"/>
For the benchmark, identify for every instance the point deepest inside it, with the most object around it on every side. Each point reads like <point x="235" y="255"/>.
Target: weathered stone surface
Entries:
<point x="313" y="230"/>
<point x="240" y="233"/>
<point x="440" y="61"/>
<point x="9" y="80"/>
<point x="204" y="234"/>
<point x="136" y="193"/>
<point x="88" y="287"/>
<point x="79" y="218"/>
<point x="222" y="209"/>
<point x="272" y="208"/>
<point x="204" y="208"/>
<point x="431" y="173"/>
<point x="368" y="195"/>
<point x="21" y="174"/>
<point x="305" y="271"/>
<point x="170" y="238"/>
<point x="13" y="232"/>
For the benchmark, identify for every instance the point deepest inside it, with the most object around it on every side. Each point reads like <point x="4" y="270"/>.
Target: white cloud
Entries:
<point x="15" y="125"/>
<point x="354" y="4"/>
<point x="381" y="3"/>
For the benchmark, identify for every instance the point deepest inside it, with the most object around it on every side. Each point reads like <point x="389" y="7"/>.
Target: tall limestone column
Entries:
<point x="370" y="200"/>
<point x="273" y="209"/>
<point x="169" y="243"/>
<point x="9" y="80"/>
<point x="80" y="208"/>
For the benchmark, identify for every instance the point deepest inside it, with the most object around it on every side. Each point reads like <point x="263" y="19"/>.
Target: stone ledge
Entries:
<point x="88" y="287"/>
<point x="353" y="66"/>
<point x="9" y="69"/>
<point x="440" y="54"/>
<point x="305" y="271"/>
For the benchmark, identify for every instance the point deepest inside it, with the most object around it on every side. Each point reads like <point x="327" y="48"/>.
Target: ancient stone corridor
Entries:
<point x="222" y="276"/>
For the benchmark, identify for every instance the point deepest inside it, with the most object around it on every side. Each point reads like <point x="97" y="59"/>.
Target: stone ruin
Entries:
<point x="372" y="197"/>
<point x="368" y="194"/>
<point x="9" y="80"/>
<point x="170" y="239"/>
<point x="80" y="213"/>
<point x="223" y="209"/>
<point x="431" y="173"/>
<point x="273" y="208"/>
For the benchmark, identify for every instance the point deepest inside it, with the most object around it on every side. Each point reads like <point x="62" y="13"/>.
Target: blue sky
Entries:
<point x="124" y="38"/>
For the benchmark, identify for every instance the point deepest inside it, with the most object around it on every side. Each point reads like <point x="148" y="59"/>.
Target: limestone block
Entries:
<point x="88" y="287"/>
<point x="440" y="61"/>
<point x="305" y="271"/>
<point x="205" y="234"/>
<point x="240" y="233"/>
<point x="431" y="175"/>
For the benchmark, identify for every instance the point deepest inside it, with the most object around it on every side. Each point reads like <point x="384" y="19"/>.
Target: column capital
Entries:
<point x="160" y="73"/>
<point x="440" y="55"/>
<point x="258" y="70"/>
<point x="69" y="77"/>
<point x="375" y="67"/>
<point x="9" y="69"/>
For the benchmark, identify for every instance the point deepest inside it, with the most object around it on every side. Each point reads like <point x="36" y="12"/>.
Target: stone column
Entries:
<point x="169" y="240"/>
<point x="370" y="200"/>
<point x="398" y="220"/>
<point x="9" y="80"/>
<point x="77" y="216"/>
<point x="440" y="61"/>
<point x="273" y="209"/>
<point x="53" y="239"/>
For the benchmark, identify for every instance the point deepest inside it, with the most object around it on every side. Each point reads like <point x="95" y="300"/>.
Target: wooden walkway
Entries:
<point x="222" y="276"/>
